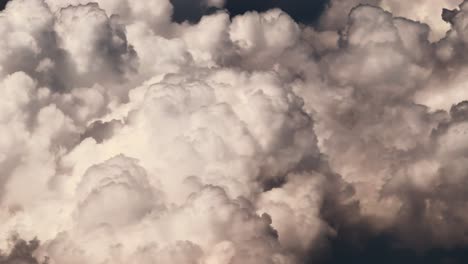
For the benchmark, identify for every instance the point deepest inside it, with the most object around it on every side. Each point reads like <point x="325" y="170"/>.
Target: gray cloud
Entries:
<point x="22" y="252"/>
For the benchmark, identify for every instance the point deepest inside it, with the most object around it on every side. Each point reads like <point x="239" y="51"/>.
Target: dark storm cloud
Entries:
<point x="303" y="11"/>
<point x="384" y="249"/>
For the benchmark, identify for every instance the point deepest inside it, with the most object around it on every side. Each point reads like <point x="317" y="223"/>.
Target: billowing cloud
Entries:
<point x="127" y="137"/>
<point x="426" y="12"/>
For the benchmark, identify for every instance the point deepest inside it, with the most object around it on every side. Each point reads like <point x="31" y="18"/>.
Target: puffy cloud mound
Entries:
<point x="129" y="138"/>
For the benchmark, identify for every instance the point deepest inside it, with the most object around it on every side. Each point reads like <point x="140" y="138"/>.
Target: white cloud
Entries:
<point x="126" y="138"/>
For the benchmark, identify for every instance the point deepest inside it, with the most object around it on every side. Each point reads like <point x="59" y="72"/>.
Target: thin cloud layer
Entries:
<point x="129" y="138"/>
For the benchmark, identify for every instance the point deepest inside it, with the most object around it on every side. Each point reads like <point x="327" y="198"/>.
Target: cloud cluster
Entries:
<point x="423" y="11"/>
<point x="128" y="138"/>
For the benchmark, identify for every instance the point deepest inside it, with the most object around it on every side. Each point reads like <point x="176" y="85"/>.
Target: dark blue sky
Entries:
<point x="2" y="4"/>
<point x="304" y="11"/>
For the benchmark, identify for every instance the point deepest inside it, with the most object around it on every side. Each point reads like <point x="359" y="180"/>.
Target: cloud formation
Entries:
<point x="130" y="138"/>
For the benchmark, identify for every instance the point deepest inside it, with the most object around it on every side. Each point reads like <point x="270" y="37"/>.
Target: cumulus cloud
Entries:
<point x="129" y="138"/>
<point x="335" y="16"/>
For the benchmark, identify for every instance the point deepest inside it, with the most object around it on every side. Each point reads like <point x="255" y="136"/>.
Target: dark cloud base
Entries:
<point x="380" y="249"/>
<point x="344" y="249"/>
<point x="384" y="249"/>
<point x="355" y="242"/>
